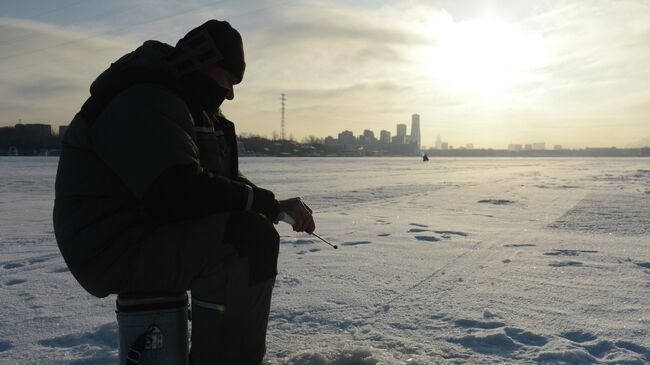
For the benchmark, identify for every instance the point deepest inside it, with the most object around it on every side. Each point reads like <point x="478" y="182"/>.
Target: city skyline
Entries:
<point x="43" y="140"/>
<point x="46" y="130"/>
<point x="488" y="73"/>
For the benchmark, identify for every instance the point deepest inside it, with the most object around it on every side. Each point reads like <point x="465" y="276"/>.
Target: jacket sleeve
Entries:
<point x="187" y="191"/>
<point x="144" y="136"/>
<point x="242" y="178"/>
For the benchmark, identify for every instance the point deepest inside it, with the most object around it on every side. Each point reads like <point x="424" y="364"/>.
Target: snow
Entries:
<point x="453" y="261"/>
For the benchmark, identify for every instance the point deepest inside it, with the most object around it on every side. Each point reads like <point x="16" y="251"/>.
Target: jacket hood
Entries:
<point x="151" y="55"/>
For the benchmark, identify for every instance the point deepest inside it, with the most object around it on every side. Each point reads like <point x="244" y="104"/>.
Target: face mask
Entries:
<point x="204" y="90"/>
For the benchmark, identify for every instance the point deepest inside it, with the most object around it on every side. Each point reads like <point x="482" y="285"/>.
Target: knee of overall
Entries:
<point x="255" y="238"/>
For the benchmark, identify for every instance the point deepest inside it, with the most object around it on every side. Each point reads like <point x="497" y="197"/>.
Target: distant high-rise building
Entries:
<point x="415" y="130"/>
<point x="401" y="130"/>
<point x="62" y="129"/>
<point x="438" y="143"/>
<point x="557" y="147"/>
<point x="384" y="136"/>
<point x="368" y="135"/>
<point x="346" y="137"/>
<point x="444" y="145"/>
<point x="528" y="147"/>
<point x="469" y="146"/>
<point x="515" y="147"/>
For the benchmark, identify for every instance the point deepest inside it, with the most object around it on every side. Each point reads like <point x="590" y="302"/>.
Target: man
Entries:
<point x="149" y="197"/>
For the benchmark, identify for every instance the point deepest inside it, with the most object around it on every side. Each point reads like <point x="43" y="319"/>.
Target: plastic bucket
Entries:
<point x="153" y="330"/>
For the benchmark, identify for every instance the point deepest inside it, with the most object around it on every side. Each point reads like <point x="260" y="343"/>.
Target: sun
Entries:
<point x="484" y="57"/>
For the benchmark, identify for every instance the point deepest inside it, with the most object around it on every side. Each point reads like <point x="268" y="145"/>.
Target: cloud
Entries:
<point x="331" y="45"/>
<point x="340" y="66"/>
<point x="598" y="50"/>
<point x="347" y="66"/>
<point x="593" y="86"/>
<point x="46" y="70"/>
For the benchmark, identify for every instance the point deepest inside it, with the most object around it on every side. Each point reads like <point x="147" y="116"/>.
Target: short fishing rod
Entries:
<point x="284" y="217"/>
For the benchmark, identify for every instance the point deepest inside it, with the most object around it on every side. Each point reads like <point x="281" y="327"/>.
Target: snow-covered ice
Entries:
<point x="454" y="261"/>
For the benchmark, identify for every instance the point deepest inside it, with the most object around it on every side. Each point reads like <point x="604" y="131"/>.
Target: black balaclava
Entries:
<point x="214" y="43"/>
<point x="204" y="90"/>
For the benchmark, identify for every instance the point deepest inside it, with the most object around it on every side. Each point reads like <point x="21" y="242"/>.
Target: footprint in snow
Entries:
<point x="599" y="349"/>
<point x="520" y="245"/>
<point x="526" y="337"/>
<point x="303" y="242"/>
<point x="641" y="350"/>
<point x="645" y="265"/>
<point x="383" y="235"/>
<point x="304" y="252"/>
<point x="557" y="252"/>
<point x="5" y="345"/>
<point x="602" y="348"/>
<point x="573" y="356"/>
<point x="15" y="282"/>
<point x="578" y="336"/>
<point x="35" y="260"/>
<point x="427" y="238"/>
<point x="493" y="344"/>
<point x="452" y="233"/>
<point x="496" y="201"/>
<point x="298" y="241"/>
<point x="565" y="263"/>
<point x="355" y="243"/>
<point x="438" y="316"/>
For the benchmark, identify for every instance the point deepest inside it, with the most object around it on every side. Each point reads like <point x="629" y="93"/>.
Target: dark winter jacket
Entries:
<point x="140" y="153"/>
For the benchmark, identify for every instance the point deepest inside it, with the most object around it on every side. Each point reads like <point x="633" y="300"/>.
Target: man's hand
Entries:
<point x="300" y="213"/>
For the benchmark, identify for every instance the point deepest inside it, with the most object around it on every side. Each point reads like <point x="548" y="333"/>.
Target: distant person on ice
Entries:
<point x="150" y="199"/>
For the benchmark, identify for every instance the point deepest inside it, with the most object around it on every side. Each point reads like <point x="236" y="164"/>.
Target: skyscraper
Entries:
<point x="368" y="135"/>
<point x="384" y="136"/>
<point x="415" y="130"/>
<point x="401" y="130"/>
<point x="346" y="137"/>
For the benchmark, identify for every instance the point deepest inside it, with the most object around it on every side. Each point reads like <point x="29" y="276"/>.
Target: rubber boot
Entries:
<point x="233" y="332"/>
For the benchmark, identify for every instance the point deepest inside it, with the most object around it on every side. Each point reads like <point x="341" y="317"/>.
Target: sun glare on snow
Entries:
<point x="484" y="57"/>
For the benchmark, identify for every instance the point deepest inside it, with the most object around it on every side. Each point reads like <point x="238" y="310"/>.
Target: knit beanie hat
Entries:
<point x="213" y="43"/>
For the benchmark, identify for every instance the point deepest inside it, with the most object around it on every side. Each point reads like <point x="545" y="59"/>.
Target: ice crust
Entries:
<point x="454" y="261"/>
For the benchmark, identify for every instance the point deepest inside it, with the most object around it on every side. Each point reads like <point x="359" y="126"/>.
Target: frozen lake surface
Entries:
<point x="454" y="261"/>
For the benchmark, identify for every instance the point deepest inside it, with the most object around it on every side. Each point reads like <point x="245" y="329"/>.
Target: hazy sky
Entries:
<point x="575" y="73"/>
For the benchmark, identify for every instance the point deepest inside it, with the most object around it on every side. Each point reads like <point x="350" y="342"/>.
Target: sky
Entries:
<point x="491" y="73"/>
